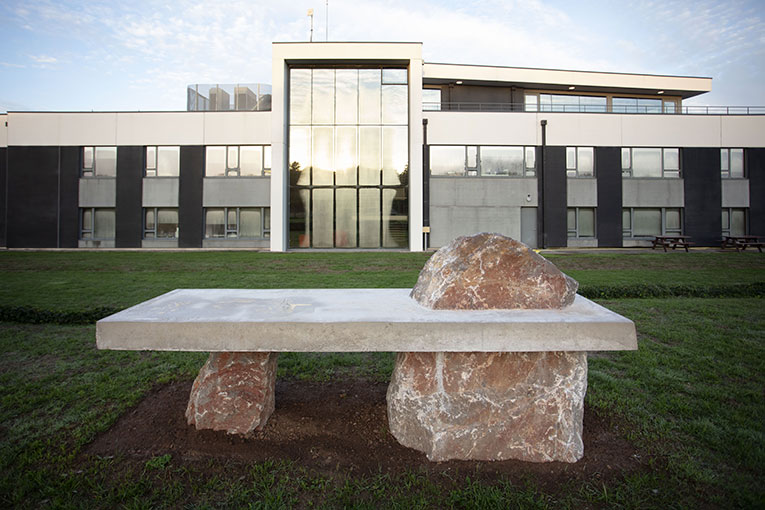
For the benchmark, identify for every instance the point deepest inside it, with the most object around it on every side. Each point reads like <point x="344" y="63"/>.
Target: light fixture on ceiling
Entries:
<point x="458" y="82"/>
<point x="660" y="92"/>
<point x="571" y="87"/>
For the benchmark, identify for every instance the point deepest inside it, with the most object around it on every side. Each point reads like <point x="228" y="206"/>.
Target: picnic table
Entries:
<point x="742" y="242"/>
<point x="672" y="241"/>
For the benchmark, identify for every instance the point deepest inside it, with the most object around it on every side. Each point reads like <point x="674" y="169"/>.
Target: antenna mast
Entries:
<point x="310" y="15"/>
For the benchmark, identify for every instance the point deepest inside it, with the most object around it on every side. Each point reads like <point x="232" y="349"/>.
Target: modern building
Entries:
<point x="366" y="146"/>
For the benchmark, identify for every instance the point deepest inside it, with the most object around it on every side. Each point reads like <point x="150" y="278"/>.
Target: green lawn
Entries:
<point x="690" y="399"/>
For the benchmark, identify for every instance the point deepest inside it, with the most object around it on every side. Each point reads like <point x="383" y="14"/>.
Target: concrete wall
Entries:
<point x="609" y="183"/>
<point x="191" y="221"/>
<point x="582" y="192"/>
<point x="465" y="206"/>
<point x="755" y="162"/>
<point x="735" y="192"/>
<point x="97" y="192"/>
<point x="554" y="214"/>
<point x="231" y="191"/>
<point x="128" y="213"/>
<point x="160" y="191"/>
<point x="703" y="196"/>
<point x="653" y="192"/>
<point x="3" y="130"/>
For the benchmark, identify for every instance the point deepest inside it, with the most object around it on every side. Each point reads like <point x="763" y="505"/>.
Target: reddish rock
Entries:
<point x="490" y="406"/>
<point x="491" y="271"/>
<point x="234" y="391"/>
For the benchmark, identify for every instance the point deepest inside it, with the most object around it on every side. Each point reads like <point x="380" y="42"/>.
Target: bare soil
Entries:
<point x="340" y="427"/>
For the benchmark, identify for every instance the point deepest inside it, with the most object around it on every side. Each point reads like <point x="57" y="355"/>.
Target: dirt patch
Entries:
<point x="338" y="427"/>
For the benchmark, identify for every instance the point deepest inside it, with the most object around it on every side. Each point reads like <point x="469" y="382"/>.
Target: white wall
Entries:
<point x="593" y="129"/>
<point x="139" y="128"/>
<point x="3" y="131"/>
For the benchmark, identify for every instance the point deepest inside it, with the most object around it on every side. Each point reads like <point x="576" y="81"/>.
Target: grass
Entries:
<point x="690" y="399"/>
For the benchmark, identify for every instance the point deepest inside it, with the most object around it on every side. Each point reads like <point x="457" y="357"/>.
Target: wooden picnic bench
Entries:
<point x="741" y="243"/>
<point x="673" y="242"/>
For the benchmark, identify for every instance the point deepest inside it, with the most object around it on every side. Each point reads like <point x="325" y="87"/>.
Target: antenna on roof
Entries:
<point x="310" y="15"/>
<point x="326" y="21"/>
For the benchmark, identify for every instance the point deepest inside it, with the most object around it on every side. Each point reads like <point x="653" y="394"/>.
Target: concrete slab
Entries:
<point x="352" y="320"/>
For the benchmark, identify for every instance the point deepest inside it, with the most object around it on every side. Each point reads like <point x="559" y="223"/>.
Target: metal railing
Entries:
<point x="577" y="108"/>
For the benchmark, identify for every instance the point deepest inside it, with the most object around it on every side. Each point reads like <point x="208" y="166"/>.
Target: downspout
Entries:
<point x="425" y="186"/>
<point x="541" y="186"/>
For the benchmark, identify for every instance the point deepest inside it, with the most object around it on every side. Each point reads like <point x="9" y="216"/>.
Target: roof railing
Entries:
<point x="580" y="108"/>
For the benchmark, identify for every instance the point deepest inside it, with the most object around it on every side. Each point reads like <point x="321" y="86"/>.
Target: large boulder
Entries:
<point x="490" y="405"/>
<point x="234" y="391"/>
<point x="491" y="271"/>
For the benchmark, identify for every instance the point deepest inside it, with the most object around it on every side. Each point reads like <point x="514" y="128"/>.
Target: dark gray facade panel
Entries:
<point x="609" y="212"/>
<point x="3" y="188"/>
<point x="470" y="94"/>
<point x="129" y="213"/>
<point x="555" y="198"/>
<point x="190" y="212"/>
<point x="755" y="161"/>
<point x="703" y="195"/>
<point x="68" y="195"/>
<point x="32" y="217"/>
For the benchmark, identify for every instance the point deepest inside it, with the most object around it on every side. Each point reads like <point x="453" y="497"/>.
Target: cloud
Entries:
<point x="43" y="59"/>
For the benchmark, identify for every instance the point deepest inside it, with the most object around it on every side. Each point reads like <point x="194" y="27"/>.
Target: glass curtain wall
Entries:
<point x="348" y="158"/>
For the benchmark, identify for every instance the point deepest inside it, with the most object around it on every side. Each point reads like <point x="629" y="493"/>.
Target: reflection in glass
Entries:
<point x="394" y="104"/>
<point x="369" y="96"/>
<point x="738" y="222"/>
<point x="168" y="161"/>
<point x="624" y="105"/>
<point x="103" y="225"/>
<point x="531" y="160"/>
<point x="150" y="225"/>
<point x="322" y="210"/>
<point x="626" y="160"/>
<point x="215" y="162"/>
<point x="233" y="158"/>
<point x="571" y="160"/>
<point x="737" y="163"/>
<point x="431" y="100"/>
<point x="626" y="223"/>
<point x="87" y="160"/>
<point x="299" y="217"/>
<point x="345" y="155"/>
<point x="300" y="155"/>
<point x="323" y="101"/>
<point x="395" y="155"/>
<point x="106" y="161"/>
<point x="251" y="160"/>
<point x="395" y="218"/>
<point x="571" y="221"/>
<point x="672" y="221"/>
<point x="151" y="161"/>
<point x="214" y="224"/>
<point x="369" y="155"/>
<point x="231" y="223"/>
<point x="267" y="160"/>
<point x="586" y="223"/>
<point x="502" y="161"/>
<point x="585" y="161"/>
<point x="87" y="223"/>
<point x="447" y="160"/>
<point x="646" y="222"/>
<point x="593" y="104"/>
<point x="472" y="156"/>
<point x="249" y="223"/>
<point x="369" y="218"/>
<point x="167" y="223"/>
<point x="671" y="162"/>
<point x="394" y="76"/>
<point x="646" y="162"/>
<point x="322" y="150"/>
<point x="347" y="100"/>
<point x="531" y="103"/>
<point x="300" y="96"/>
<point x="345" y="233"/>
<point x="649" y="105"/>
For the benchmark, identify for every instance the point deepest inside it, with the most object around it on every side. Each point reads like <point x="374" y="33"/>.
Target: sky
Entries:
<point x="62" y="55"/>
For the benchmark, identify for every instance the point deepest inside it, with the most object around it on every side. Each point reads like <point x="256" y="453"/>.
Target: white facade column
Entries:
<point x="279" y="126"/>
<point x="415" y="155"/>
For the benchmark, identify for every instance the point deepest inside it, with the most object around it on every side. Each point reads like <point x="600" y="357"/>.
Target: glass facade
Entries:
<point x="348" y="158"/>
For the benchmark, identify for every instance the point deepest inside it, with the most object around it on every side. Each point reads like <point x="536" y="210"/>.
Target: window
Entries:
<point x="431" y="100"/>
<point x="96" y="223"/>
<point x="99" y="161"/>
<point x="732" y="163"/>
<point x="648" y="222"/>
<point x="238" y="161"/>
<point x="580" y="162"/>
<point x="485" y="160"/>
<point x="650" y="162"/>
<point x="581" y="222"/>
<point x="565" y="103"/>
<point x="163" y="161"/>
<point x="238" y="223"/>
<point x="160" y="223"/>
<point x="733" y="222"/>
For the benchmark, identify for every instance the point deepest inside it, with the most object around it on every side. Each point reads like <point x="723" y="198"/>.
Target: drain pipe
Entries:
<point x="542" y="236"/>
<point x="425" y="187"/>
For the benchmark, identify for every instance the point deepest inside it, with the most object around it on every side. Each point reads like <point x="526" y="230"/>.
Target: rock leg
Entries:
<point x="490" y="406"/>
<point x="234" y="391"/>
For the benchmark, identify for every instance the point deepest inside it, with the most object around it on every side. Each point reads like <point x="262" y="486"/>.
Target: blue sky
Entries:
<point x="140" y="55"/>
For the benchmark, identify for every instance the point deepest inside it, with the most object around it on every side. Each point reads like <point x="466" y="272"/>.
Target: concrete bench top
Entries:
<point x="352" y="320"/>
